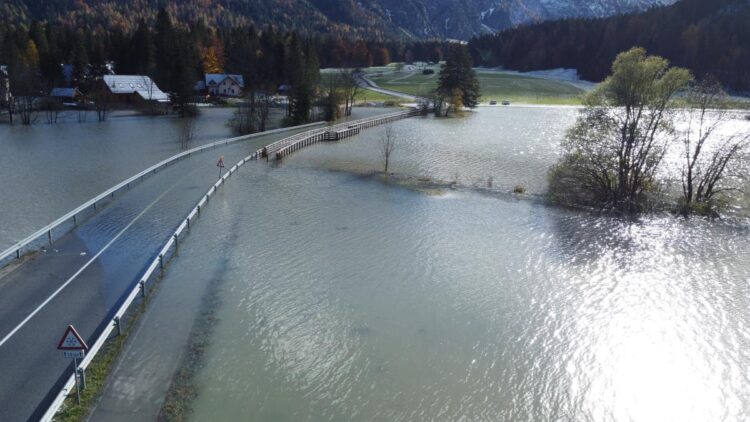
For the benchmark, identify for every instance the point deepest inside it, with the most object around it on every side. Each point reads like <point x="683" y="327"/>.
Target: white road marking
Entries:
<point x="86" y="265"/>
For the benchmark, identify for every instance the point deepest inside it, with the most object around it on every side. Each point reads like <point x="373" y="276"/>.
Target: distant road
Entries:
<point x="364" y="82"/>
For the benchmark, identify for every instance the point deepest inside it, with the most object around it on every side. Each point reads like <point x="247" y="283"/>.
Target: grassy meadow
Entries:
<point x="497" y="86"/>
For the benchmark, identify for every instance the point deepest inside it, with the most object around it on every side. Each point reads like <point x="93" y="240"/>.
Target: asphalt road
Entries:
<point x="83" y="277"/>
<point x="367" y="83"/>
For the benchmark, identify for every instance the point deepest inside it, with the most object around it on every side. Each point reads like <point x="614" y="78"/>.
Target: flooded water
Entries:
<point x="340" y="297"/>
<point x="48" y="170"/>
<point x="508" y="147"/>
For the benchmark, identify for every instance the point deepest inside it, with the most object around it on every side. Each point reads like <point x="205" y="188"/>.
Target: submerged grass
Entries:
<point x="183" y="390"/>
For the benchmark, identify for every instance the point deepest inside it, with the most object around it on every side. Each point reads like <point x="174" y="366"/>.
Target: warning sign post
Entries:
<point x="73" y="347"/>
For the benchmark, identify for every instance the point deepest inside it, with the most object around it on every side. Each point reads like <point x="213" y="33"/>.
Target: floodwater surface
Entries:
<point x="346" y="298"/>
<point x="339" y="297"/>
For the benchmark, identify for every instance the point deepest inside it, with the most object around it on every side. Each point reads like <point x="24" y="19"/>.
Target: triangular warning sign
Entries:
<point x="71" y="340"/>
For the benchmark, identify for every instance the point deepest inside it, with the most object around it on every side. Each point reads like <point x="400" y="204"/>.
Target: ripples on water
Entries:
<point x="346" y="299"/>
<point x="512" y="146"/>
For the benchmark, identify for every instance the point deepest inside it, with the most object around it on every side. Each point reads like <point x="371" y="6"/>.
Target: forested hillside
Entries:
<point x="374" y="19"/>
<point x="708" y="37"/>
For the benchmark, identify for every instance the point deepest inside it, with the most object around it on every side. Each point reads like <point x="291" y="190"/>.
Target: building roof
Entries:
<point x="135" y="84"/>
<point x="64" y="92"/>
<point x="213" y="79"/>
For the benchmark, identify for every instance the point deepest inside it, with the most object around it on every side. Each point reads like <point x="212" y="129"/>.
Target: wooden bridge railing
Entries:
<point x="286" y="146"/>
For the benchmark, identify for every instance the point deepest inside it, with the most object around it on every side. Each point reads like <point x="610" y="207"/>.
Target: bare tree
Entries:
<point x="707" y="153"/>
<point x="264" y="103"/>
<point x="52" y="109"/>
<point x="348" y="81"/>
<point x="102" y="98"/>
<point x="243" y="121"/>
<point x="187" y="131"/>
<point x="387" y="146"/>
<point x="24" y="106"/>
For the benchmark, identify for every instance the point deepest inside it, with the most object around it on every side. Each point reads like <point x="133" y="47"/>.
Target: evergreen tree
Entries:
<point x="457" y="79"/>
<point x="304" y="76"/>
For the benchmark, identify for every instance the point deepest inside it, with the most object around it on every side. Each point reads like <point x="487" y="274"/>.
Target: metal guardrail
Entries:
<point x="154" y="270"/>
<point x="35" y="239"/>
<point x="286" y="146"/>
<point x="170" y="249"/>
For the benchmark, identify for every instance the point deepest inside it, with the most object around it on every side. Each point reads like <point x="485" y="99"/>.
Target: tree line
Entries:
<point x="176" y="55"/>
<point x="707" y="37"/>
<point x="260" y="54"/>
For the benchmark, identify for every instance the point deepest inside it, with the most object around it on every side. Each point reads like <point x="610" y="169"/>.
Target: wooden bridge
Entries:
<point x="286" y="146"/>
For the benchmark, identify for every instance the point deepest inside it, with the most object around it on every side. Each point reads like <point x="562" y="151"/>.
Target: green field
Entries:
<point x="495" y="86"/>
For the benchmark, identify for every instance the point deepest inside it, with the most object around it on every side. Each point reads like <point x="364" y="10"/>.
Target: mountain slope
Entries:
<point x="459" y="19"/>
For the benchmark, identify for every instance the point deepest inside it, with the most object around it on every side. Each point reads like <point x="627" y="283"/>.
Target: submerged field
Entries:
<point x="497" y="86"/>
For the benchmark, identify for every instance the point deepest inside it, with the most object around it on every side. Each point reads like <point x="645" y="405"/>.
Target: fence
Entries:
<point x="62" y="225"/>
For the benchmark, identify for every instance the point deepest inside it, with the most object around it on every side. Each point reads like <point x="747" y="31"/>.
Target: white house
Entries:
<point x="134" y="88"/>
<point x="222" y="84"/>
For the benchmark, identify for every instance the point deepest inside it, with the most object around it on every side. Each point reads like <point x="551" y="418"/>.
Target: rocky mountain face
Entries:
<point x="462" y="19"/>
<point x="459" y="19"/>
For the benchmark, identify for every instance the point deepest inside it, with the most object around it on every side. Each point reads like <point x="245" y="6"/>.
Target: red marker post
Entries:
<point x="73" y="346"/>
<point x="220" y="164"/>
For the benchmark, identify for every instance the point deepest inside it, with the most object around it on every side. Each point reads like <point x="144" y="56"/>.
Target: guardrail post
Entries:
<point x="188" y="222"/>
<point x="49" y="236"/>
<point x="74" y="220"/>
<point x="161" y="264"/>
<point x="18" y="254"/>
<point x="199" y="209"/>
<point x="176" y="244"/>
<point x="142" y="284"/>
<point x="118" y="325"/>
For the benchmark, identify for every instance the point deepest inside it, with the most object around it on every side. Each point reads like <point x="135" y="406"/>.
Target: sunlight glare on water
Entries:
<point x="345" y="298"/>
